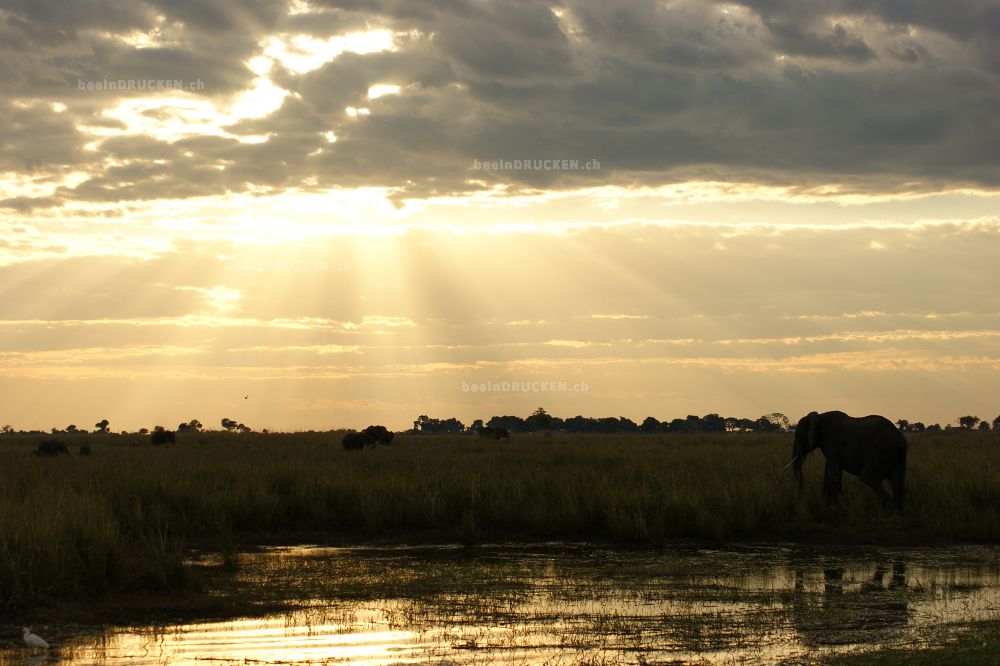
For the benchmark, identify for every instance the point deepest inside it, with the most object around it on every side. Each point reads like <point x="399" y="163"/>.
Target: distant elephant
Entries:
<point x="162" y="437"/>
<point x="870" y="447"/>
<point x="51" y="447"/>
<point x="379" y="434"/>
<point x="355" y="441"/>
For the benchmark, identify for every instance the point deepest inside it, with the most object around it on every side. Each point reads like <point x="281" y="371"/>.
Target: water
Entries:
<point x="558" y="604"/>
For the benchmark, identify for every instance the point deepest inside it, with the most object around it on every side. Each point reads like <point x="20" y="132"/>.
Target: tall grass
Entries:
<point x="121" y="518"/>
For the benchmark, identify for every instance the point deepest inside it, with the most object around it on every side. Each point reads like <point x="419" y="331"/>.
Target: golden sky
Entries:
<point x="796" y="208"/>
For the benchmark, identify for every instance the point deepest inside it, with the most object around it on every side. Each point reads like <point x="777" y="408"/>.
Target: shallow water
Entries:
<point x="566" y="604"/>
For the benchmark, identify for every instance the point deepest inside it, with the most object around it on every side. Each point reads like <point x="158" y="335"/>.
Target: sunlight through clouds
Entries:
<point x="173" y="118"/>
<point x="780" y="193"/>
<point x="302" y="54"/>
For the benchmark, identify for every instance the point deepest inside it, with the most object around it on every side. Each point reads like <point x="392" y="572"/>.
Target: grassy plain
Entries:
<point x="124" y="519"/>
<point x="978" y="646"/>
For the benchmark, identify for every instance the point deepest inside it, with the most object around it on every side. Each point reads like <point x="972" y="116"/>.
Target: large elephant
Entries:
<point x="51" y="447"/>
<point x="870" y="447"/>
<point x="379" y="434"/>
<point x="355" y="441"/>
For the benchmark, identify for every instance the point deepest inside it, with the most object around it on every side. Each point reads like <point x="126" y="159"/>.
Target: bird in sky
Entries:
<point x="245" y="397"/>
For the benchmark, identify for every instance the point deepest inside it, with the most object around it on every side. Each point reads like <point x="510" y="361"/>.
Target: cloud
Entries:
<point x="875" y="96"/>
<point x="761" y="204"/>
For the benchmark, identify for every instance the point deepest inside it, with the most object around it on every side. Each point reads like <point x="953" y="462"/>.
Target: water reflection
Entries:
<point x="540" y="604"/>
<point x="852" y="607"/>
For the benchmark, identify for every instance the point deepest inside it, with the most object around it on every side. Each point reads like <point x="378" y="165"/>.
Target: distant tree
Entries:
<point x="917" y="427"/>
<point x="996" y="423"/>
<point x="984" y="425"/>
<point x="780" y="420"/>
<point x="968" y="422"/>
<point x="243" y="429"/>
<point x="678" y="426"/>
<point x="627" y="425"/>
<point x="72" y="429"/>
<point x="102" y="426"/>
<point x="739" y="425"/>
<point x="425" y="424"/>
<point x="194" y="425"/>
<point x="694" y="423"/>
<point x="539" y="420"/>
<point x="510" y="423"/>
<point x="713" y="423"/>
<point x="934" y="427"/>
<point x="229" y="425"/>
<point x="765" y="424"/>
<point x="649" y="425"/>
<point x="143" y="431"/>
<point x="903" y="425"/>
<point x="732" y="424"/>
<point x="7" y="429"/>
<point x="476" y="426"/>
<point x="579" y="423"/>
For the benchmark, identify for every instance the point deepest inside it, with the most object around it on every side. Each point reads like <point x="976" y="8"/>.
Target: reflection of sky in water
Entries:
<point x="551" y="604"/>
<point x="267" y="640"/>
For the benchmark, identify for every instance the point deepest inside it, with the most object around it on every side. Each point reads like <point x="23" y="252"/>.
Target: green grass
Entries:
<point x="979" y="646"/>
<point x="123" y="518"/>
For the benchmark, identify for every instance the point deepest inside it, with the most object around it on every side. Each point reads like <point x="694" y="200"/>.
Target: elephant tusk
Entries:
<point x="790" y="462"/>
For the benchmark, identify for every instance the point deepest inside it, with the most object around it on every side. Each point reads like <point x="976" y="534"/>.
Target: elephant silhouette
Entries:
<point x="379" y="434"/>
<point x="355" y="441"/>
<point x="51" y="447"/>
<point x="870" y="447"/>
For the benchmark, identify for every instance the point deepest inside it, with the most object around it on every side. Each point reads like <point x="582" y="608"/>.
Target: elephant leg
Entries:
<point x="897" y="480"/>
<point x="873" y="479"/>
<point x="832" y="482"/>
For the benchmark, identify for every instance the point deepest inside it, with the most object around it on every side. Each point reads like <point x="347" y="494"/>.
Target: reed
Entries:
<point x="121" y="518"/>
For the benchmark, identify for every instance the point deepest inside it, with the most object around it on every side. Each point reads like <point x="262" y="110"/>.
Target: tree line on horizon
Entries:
<point x="541" y="421"/>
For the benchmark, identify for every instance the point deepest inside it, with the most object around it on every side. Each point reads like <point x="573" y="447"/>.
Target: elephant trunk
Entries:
<point x="797" y="469"/>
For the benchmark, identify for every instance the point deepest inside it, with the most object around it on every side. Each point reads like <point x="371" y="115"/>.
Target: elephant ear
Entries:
<point x="813" y="428"/>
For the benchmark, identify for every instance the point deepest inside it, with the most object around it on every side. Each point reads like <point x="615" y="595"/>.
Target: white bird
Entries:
<point x="34" y="640"/>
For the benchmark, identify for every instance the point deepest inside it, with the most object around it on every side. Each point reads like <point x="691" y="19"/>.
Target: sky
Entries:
<point x="286" y="213"/>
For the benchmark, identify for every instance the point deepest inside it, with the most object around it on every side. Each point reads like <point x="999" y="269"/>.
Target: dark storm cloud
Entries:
<point x="877" y="96"/>
<point x="48" y="46"/>
<point x="36" y="138"/>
